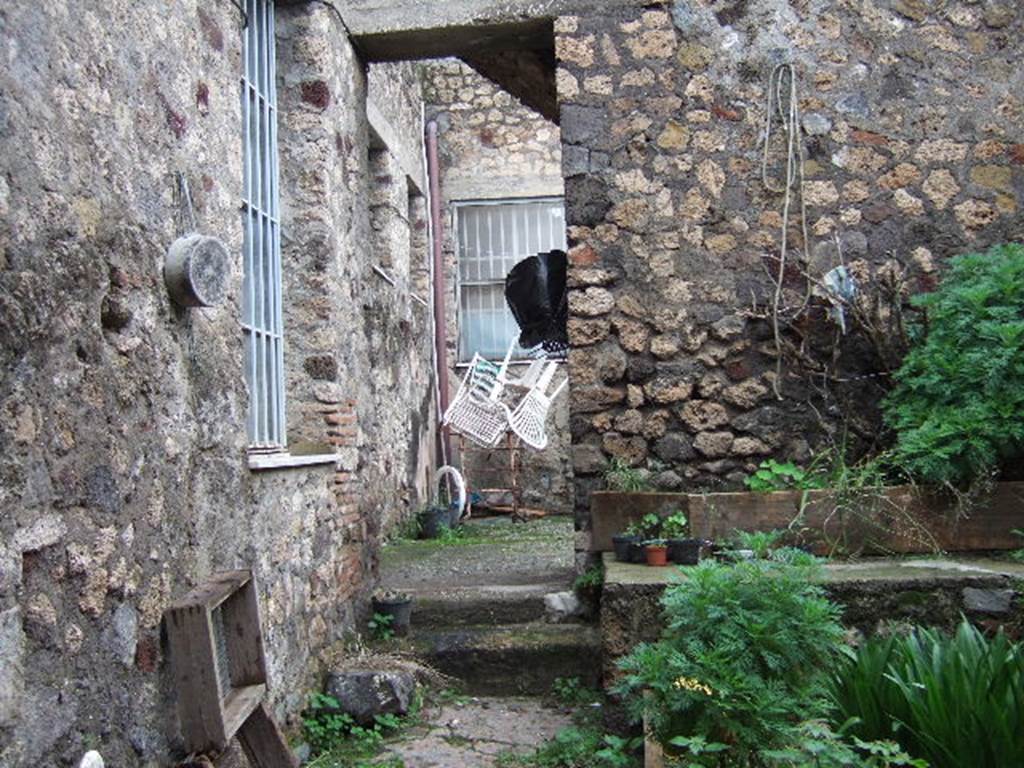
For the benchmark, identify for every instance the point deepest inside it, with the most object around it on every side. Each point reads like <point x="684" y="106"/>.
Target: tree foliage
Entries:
<point x="958" y="405"/>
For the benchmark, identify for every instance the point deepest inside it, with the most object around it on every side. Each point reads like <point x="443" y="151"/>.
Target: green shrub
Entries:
<point x="570" y="692"/>
<point x="958" y="405"/>
<point x="619" y="476"/>
<point x="761" y="543"/>
<point x="324" y="725"/>
<point x="380" y="626"/>
<point x="953" y="700"/>
<point x="337" y="741"/>
<point x="772" y="475"/>
<point x="812" y="744"/>
<point x="675" y="526"/>
<point x="578" y="747"/>
<point x="815" y="745"/>
<point x="741" y="659"/>
<point x="589" y="581"/>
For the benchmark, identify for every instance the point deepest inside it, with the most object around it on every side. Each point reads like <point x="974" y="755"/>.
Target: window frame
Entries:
<point x="262" y="312"/>
<point x="456" y="207"/>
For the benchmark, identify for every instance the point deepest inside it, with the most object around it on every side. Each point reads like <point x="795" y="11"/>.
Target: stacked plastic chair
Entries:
<point x="531" y="414"/>
<point x="477" y="411"/>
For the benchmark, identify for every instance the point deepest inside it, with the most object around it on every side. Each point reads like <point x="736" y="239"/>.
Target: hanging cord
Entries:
<point x="789" y="118"/>
<point x="185" y="208"/>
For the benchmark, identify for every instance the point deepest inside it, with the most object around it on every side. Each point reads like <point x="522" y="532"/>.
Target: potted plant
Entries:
<point x="647" y="528"/>
<point x="397" y="605"/>
<point x="623" y="542"/>
<point x="681" y="549"/>
<point x="656" y="552"/>
<point x="432" y="520"/>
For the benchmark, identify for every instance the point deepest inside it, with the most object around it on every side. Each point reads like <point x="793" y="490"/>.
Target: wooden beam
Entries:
<point x="263" y="742"/>
<point x="241" y="614"/>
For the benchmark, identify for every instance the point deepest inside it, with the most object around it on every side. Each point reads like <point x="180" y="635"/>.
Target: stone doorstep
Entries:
<point x="484" y="605"/>
<point x="520" y="659"/>
<point x="882" y="569"/>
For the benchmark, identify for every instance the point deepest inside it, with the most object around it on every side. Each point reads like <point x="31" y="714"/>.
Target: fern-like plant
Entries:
<point x="958" y="405"/>
<point x="742" y="657"/>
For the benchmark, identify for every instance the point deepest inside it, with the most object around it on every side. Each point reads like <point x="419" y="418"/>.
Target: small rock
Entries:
<point x="303" y="752"/>
<point x="12" y="665"/>
<point x="996" y="602"/>
<point x="91" y="759"/>
<point x="591" y="302"/>
<point x="121" y="636"/>
<point x="714" y="444"/>
<point x="998" y="15"/>
<point x="667" y="481"/>
<point x="561" y="606"/>
<point x="854" y="104"/>
<point x="44" y="532"/>
<point x="366" y="693"/>
<point x="816" y="125"/>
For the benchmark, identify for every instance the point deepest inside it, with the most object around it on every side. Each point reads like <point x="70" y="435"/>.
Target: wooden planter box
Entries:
<point x="612" y="511"/>
<point x="898" y="519"/>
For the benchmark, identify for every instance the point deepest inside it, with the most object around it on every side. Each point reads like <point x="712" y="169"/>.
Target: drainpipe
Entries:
<point x="440" y="320"/>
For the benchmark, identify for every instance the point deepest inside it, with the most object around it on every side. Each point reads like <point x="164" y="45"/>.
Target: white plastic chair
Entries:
<point x="476" y="410"/>
<point x="530" y="416"/>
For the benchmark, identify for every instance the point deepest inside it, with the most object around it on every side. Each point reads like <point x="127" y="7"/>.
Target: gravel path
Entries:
<point x="493" y="551"/>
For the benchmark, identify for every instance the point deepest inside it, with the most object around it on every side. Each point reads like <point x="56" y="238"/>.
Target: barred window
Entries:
<point x="492" y="237"/>
<point x="261" y="290"/>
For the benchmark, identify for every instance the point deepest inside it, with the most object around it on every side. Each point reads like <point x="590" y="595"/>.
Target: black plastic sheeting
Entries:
<point x="535" y="290"/>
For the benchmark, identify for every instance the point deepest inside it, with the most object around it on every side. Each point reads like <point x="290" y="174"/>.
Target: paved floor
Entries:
<point x="471" y="733"/>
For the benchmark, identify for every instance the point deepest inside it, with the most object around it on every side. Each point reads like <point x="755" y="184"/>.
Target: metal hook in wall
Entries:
<point x="185" y="207"/>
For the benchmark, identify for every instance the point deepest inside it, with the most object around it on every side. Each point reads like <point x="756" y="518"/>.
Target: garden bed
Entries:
<point x="891" y="520"/>
<point x="920" y="591"/>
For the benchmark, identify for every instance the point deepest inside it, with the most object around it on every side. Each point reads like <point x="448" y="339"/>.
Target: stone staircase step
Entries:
<point x="512" y="660"/>
<point x="480" y="605"/>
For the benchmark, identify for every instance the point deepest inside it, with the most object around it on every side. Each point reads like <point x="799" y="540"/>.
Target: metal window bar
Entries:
<point x="493" y="236"/>
<point x="262" y="321"/>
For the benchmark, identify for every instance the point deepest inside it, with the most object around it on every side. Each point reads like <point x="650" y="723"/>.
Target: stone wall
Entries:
<point x="492" y="147"/>
<point x="914" y="152"/>
<point x="125" y="478"/>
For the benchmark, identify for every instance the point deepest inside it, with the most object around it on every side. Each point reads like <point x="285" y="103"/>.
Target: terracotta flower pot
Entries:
<point x="657" y="554"/>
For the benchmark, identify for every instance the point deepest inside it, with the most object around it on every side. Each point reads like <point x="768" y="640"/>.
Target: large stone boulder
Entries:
<point x="364" y="693"/>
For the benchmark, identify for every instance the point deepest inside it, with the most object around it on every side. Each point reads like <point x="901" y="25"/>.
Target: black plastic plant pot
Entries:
<point x="637" y="555"/>
<point x="684" y="551"/>
<point x="431" y="520"/>
<point x="621" y="544"/>
<point x="399" y="609"/>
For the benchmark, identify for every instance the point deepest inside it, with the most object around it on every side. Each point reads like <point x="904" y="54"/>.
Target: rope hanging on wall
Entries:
<point x="782" y="101"/>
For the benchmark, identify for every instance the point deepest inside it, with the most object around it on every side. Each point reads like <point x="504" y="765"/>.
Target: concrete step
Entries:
<point x="513" y="660"/>
<point x="455" y="607"/>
